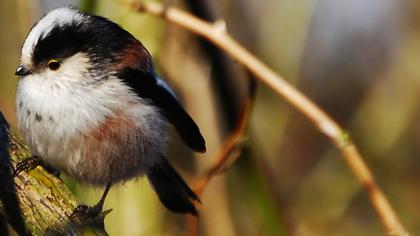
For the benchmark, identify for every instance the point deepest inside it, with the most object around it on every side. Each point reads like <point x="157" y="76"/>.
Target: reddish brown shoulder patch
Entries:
<point x="135" y="56"/>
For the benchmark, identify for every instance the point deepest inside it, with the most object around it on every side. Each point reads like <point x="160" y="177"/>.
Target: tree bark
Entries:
<point x="36" y="202"/>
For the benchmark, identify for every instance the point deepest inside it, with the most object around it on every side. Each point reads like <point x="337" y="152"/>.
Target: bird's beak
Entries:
<point x="22" y="71"/>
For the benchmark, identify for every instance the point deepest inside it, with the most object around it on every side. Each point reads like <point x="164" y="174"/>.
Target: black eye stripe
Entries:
<point x="61" y="42"/>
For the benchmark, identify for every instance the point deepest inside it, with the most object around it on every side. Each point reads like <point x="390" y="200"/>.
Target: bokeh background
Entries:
<point x="359" y="60"/>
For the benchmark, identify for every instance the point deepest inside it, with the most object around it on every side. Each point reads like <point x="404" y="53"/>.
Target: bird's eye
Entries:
<point x="53" y="64"/>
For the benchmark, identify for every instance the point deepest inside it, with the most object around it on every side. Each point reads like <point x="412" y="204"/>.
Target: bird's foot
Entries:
<point x="31" y="163"/>
<point x="27" y="165"/>
<point x="84" y="213"/>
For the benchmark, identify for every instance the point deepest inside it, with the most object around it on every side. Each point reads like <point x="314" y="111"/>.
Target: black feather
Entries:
<point x="144" y="83"/>
<point x="173" y="192"/>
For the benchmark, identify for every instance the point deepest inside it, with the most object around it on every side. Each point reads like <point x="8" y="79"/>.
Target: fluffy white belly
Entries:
<point x="95" y="135"/>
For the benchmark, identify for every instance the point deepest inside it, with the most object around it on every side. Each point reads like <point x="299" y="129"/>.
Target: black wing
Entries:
<point x="148" y="85"/>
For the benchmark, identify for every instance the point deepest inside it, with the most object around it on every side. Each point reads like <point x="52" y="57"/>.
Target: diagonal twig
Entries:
<point x="324" y="123"/>
<point x="232" y="143"/>
<point x="229" y="152"/>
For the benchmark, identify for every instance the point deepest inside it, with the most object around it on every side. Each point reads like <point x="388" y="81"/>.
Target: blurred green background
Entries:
<point x="359" y="59"/>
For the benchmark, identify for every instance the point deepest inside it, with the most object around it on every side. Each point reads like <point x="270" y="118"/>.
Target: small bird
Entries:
<point x="91" y="105"/>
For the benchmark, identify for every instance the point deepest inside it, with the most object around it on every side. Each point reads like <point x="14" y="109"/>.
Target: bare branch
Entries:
<point x="324" y="123"/>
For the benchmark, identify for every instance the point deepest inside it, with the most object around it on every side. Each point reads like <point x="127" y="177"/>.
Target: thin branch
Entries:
<point x="229" y="151"/>
<point x="229" y="147"/>
<point x="228" y="154"/>
<point x="325" y="124"/>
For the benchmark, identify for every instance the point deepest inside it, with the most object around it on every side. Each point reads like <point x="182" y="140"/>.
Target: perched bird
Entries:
<point x="91" y="105"/>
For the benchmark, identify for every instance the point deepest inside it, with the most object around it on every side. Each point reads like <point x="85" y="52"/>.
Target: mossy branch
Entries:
<point x="37" y="202"/>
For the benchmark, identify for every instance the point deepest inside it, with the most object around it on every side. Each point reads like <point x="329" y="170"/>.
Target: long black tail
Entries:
<point x="173" y="192"/>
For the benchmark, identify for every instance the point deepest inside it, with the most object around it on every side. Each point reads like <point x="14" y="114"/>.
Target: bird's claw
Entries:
<point x="27" y="164"/>
<point x="83" y="213"/>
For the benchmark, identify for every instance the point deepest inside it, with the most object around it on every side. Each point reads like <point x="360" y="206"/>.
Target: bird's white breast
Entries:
<point x="58" y="115"/>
